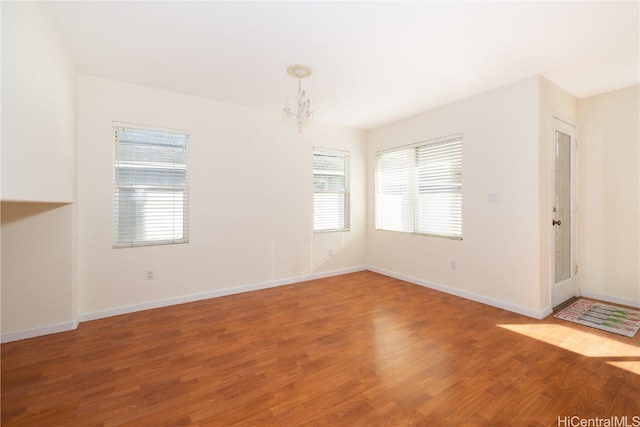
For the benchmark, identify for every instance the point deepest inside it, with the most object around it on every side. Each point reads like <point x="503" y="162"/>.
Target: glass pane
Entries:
<point x="327" y="182"/>
<point x="138" y="175"/>
<point x="331" y="194"/>
<point x="150" y="187"/>
<point x="329" y="211"/>
<point x="419" y="189"/>
<point x="150" y="215"/>
<point x="563" y="207"/>
<point x="440" y="214"/>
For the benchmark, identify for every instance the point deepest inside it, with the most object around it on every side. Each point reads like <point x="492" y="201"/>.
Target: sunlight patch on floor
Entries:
<point x="583" y="343"/>
<point x="631" y="366"/>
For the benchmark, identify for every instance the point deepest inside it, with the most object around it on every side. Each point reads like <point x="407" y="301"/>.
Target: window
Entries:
<point x="419" y="188"/>
<point x="330" y="191"/>
<point x="150" y="187"/>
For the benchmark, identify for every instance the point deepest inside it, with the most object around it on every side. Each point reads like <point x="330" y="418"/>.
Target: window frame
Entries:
<point x="409" y="188"/>
<point x="136" y="233"/>
<point x="345" y="193"/>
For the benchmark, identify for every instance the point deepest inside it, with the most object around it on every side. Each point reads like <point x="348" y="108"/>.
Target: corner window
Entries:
<point x="419" y="188"/>
<point x="330" y="190"/>
<point x="150" y="186"/>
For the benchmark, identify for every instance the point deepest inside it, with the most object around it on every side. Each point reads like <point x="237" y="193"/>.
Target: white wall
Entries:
<point x="37" y="268"/>
<point x="250" y="200"/>
<point x="498" y="260"/>
<point x="38" y="107"/>
<point x="38" y="174"/>
<point x="609" y="214"/>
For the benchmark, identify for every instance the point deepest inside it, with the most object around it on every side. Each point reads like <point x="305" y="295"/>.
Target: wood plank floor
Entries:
<point x="355" y="350"/>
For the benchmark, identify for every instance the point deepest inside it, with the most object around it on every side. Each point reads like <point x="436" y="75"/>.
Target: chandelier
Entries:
<point x="302" y="110"/>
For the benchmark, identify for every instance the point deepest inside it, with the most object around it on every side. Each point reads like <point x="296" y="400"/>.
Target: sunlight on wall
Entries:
<point x="615" y="353"/>
<point x="321" y="247"/>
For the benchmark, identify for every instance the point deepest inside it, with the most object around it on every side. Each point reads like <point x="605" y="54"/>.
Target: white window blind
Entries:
<point x="330" y="191"/>
<point x="419" y="188"/>
<point x="150" y="187"/>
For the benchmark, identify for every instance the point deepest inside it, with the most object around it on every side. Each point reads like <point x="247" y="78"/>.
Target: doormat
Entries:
<point x="618" y="320"/>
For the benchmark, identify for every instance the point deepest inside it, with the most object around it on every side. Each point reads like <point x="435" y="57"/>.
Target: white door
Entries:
<point x="563" y="222"/>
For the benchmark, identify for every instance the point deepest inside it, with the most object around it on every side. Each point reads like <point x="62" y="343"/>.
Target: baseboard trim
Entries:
<point x="608" y="298"/>
<point x="69" y="326"/>
<point x="83" y="317"/>
<point x="212" y="294"/>
<point x="36" y="332"/>
<point x="536" y="314"/>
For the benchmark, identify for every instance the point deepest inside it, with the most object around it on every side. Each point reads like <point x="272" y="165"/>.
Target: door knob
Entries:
<point x="556" y="222"/>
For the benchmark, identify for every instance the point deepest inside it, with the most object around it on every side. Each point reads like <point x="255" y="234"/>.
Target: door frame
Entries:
<point x="574" y="204"/>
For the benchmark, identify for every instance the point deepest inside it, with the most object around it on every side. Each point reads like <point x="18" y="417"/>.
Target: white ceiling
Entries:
<point x="373" y="62"/>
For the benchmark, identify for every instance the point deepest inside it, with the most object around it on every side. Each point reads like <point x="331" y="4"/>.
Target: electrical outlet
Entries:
<point x="151" y="274"/>
<point x="454" y="264"/>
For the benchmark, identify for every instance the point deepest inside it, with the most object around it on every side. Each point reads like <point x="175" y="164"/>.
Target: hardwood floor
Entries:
<point x="355" y="350"/>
